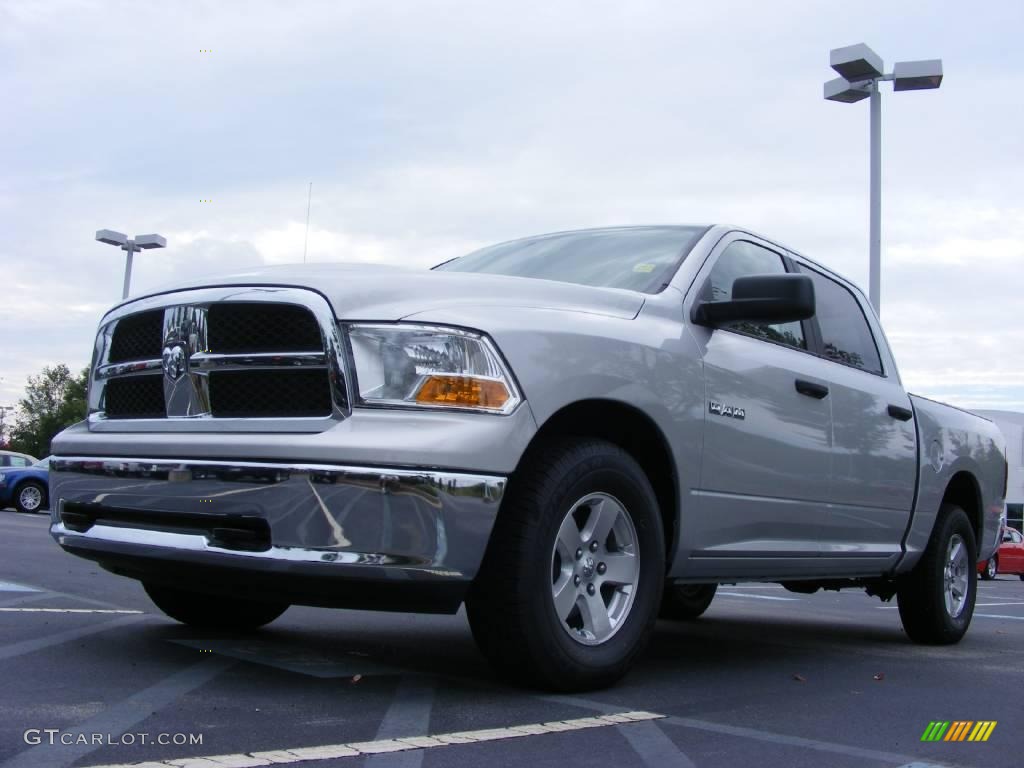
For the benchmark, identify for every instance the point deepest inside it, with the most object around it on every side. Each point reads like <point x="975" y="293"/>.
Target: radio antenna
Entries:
<point x="305" y="241"/>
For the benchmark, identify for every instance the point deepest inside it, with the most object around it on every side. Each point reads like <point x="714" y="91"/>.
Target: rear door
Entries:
<point x="764" y="481"/>
<point x="874" y="439"/>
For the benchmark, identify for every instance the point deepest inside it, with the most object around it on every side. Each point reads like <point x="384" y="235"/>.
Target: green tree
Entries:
<point x="53" y="400"/>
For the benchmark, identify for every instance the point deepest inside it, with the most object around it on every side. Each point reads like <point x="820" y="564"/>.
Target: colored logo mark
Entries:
<point x="958" y="730"/>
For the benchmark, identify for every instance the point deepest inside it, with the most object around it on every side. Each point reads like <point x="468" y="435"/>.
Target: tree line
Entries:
<point x="54" y="399"/>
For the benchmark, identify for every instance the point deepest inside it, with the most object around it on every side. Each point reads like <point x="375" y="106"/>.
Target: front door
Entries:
<point x="765" y="474"/>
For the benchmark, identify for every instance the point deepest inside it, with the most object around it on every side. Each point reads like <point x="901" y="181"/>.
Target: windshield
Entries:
<point x="636" y="258"/>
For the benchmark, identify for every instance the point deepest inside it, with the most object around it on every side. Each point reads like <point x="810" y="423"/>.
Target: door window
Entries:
<point x="740" y="259"/>
<point x="845" y="333"/>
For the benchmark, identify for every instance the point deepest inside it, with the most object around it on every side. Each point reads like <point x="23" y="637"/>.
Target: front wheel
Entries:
<point x="936" y="599"/>
<point x="30" y="497"/>
<point x="568" y="593"/>
<point x="685" y="602"/>
<point x="991" y="569"/>
<point x="213" y="611"/>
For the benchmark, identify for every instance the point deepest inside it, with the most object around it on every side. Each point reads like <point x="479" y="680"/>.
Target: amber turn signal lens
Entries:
<point x="463" y="392"/>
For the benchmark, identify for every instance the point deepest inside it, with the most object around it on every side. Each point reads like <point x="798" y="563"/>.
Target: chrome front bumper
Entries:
<point x="317" y="534"/>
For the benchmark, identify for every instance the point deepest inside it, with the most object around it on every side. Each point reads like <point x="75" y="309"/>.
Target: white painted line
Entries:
<point x="47" y="641"/>
<point x="333" y="751"/>
<point x="994" y="605"/>
<point x="999" y="616"/>
<point x="759" y="597"/>
<point x="754" y="586"/>
<point x="10" y="586"/>
<point x="64" y="610"/>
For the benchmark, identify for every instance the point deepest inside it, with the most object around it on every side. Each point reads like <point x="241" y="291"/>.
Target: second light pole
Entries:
<point x="130" y="246"/>
<point x="861" y="72"/>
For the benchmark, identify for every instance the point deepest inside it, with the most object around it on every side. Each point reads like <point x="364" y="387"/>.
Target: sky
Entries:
<point x="431" y="128"/>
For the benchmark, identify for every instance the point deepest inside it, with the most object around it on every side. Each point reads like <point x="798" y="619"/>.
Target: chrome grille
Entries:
<point x="237" y="327"/>
<point x="280" y="393"/>
<point x="137" y="336"/>
<point x="136" y="397"/>
<point x="212" y="356"/>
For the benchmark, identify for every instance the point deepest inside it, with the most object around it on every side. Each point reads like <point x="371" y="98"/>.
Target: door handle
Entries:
<point x="898" y="412"/>
<point x="811" y="389"/>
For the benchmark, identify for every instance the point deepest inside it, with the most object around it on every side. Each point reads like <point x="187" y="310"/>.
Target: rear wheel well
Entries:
<point x="633" y="431"/>
<point x="964" y="492"/>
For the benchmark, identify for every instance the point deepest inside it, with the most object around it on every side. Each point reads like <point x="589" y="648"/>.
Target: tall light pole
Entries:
<point x="861" y="73"/>
<point x="130" y="246"/>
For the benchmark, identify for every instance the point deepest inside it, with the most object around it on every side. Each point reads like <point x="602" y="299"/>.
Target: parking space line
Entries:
<point x="409" y="713"/>
<point x="12" y="586"/>
<point x="118" y="718"/>
<point x="758" y="597"/>
<point x="380" y="746"/>
<point x="792" y="741"/>
<point x="29" y="598"/>
<point x="995" y="605"/>
<point x="38" y="643"/>
<point x="653" y="746"/>
<point x="999" y="616"/>
<point x="66" y="610"/>
<point x="747" y="733"/>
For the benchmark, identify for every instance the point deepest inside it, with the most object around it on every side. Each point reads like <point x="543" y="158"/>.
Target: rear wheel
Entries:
<point x="569" y="589"/>
<point x="685" y="602"/>
<point x="991" y="569"/>
<point x="30" y="497"/>
<point x="936" y="599"/>
<point x="213" y="611"/>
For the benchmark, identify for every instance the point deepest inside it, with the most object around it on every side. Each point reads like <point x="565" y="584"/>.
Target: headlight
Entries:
<point x="430" y="367"/>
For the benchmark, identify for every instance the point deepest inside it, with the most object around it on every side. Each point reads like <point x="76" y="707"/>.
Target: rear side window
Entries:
<point x="845" y="333"/>
<point x="18" y="461"/>
<point x="741" y="259"/>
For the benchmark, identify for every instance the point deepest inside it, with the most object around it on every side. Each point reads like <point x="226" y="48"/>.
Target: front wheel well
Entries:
<point x="632" y="430"/>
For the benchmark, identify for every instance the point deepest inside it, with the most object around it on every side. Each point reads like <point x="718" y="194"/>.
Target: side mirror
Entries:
<point x="761" y="299"/>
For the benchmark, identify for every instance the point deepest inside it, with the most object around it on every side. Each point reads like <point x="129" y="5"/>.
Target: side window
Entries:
<point x="740" y="259"/>
<point x="844" y="329"/>
<point x="18" y="461"/>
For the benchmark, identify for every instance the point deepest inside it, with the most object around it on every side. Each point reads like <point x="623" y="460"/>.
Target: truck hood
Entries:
<point x="373" y="292"/>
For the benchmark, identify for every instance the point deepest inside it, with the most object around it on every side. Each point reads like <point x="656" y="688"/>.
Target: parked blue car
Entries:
<point x="24" y="482"/>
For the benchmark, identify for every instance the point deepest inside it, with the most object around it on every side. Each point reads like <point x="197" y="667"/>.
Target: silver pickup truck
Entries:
<point x="572" y="434"/>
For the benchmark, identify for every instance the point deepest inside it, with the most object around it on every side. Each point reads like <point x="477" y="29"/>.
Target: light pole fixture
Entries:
<point x="860" y="72"/>
<point x="130" y="246"/>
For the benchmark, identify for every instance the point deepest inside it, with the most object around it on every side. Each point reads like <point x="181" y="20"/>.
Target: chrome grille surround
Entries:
<point x="185" y="362"/>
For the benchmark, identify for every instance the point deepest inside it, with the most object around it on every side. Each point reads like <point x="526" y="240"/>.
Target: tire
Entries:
<point x="991" y="569"/>
<point x="923" y="595"/>
<point x="686" y="602"/>
<point x="1022" y="577"/>
<point x="213" y="611"/>
<point x="30" y="497"/>
<point x="542" y="540"/>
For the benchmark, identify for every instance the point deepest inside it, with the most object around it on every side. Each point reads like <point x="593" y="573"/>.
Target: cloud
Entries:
<point x="431" y="128"/>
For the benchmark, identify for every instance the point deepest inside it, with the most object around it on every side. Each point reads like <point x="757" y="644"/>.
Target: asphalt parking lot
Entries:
<point x="765" y="678"/>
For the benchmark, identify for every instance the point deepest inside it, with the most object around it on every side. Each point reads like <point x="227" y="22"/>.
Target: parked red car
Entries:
<point x="1009" y="558"/>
